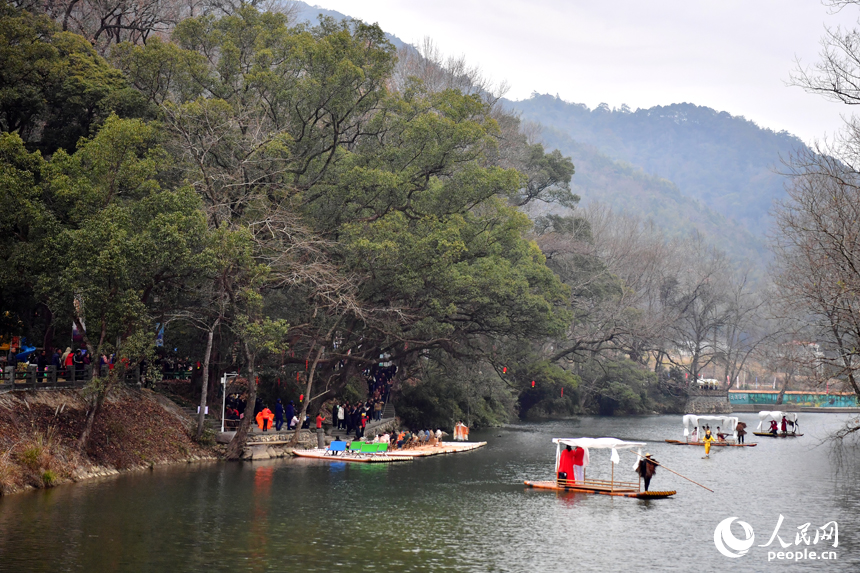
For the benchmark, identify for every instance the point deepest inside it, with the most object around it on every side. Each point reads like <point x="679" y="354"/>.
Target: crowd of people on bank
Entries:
<point x="63" y="362"/>
<point x="406" y="439"/>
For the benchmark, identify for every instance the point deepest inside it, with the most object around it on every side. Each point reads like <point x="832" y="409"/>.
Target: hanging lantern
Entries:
<point x="504" y="370"/>
<point x="562" y="392"/>
<point x="533" y="383"/>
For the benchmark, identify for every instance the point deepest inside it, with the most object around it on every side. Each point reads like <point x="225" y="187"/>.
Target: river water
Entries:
<point x="463" y="512"/>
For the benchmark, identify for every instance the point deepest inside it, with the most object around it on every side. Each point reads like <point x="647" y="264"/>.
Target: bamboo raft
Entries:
<point x="713" y="444"/>
<point x="778" y="435"/>
<point x="600" y="487"/>
<point x="441" y="448"/>
<point x="318" y="454"/>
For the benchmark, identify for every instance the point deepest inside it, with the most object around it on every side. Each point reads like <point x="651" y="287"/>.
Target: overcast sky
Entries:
<point x="730" y="55"/>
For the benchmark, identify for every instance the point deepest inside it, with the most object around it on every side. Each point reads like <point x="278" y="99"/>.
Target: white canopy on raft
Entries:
<point x="598" y="443"/>
<point x="768" y="415"/>
<point x="728" y="424"/>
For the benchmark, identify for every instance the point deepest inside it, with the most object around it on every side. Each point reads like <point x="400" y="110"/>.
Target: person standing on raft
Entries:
<point x="647" y="468"/>
<point x="579" y="463"/>
<point x="565" y="465"/>
<point x="741" y="428"/>
<point x="708" y="439"/>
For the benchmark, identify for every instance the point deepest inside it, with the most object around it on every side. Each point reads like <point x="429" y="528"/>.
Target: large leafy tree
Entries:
<point x="399" y="198"/>
<point x="102" y="233"/>
<point x="54" y="87"/>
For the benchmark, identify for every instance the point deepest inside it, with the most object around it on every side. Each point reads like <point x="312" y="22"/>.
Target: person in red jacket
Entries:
<point x="565" y="465"/>
<point x="578" y="464"/>
<point x="264" y="419"/>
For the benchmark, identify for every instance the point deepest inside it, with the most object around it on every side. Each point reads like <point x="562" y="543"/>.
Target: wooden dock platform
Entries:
<point x="441" y="448"/>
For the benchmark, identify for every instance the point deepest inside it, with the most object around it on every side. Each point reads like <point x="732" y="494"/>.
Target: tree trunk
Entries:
<point x="113" y="375"/>
<point x="237" y="444"/>
<point x="48" y="339"/>
<point x="204" y="383"/>
<point x="295" y="441"/>
<point x="782" y="392"/>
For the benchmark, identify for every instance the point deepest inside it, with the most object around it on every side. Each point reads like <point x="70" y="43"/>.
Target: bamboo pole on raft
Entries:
<point x="674" y="472"/>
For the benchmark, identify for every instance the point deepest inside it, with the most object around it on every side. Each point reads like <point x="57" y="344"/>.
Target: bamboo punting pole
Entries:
<point x="674" y="472"/>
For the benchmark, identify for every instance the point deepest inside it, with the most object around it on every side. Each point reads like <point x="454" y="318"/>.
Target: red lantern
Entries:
<point x="504" y="370"/>
<point x="562" y="392"/>
<point x="533" y="383"/>
<point x="301" y="397"/>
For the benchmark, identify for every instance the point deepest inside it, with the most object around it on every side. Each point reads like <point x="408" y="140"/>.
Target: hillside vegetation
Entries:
<point x="725" y="162"/>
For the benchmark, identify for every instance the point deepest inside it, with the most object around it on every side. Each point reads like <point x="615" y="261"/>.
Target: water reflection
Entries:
<point x="467" y="512"/>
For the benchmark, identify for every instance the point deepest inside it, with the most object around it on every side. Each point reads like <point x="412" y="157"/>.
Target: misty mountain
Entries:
<point x="627" y="188"/>
<point x="726" y="163"/>
<point x="308" y="13"/>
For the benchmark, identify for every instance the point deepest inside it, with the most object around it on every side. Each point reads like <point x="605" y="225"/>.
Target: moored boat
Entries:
<point x="612" y="487"/>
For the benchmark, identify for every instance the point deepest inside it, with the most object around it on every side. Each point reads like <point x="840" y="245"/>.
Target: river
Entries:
<point x="463" y="512"/>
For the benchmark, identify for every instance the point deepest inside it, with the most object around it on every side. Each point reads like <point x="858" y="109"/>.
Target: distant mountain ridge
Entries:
<point x="629" y="189"/>
<point x="726" y="162"/>
<point x="686" y="167"/>
<point x="309" y="13"/>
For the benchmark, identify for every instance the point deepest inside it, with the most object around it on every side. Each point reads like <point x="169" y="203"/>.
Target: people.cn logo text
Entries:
<point x="733" y="547"/>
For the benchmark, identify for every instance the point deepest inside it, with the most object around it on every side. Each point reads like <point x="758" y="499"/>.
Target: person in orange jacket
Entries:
<point x="264" y="419"/>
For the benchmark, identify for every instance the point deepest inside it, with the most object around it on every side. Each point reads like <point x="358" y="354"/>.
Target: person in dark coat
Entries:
<point x="279" y="415"/>
<point x="741" y="428"/>
<point x="291" y="411"/>
<point x="646" y="469"/>
<point x="41" y="361"/>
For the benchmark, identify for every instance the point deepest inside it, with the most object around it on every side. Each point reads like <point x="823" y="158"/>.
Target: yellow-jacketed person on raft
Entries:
<point x="708" y="438"/>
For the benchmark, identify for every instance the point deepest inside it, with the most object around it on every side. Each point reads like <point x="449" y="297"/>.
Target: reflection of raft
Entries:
<point x="713" y="444"/>
<point x="779" y="434"/>
<point x="618" y="489"/>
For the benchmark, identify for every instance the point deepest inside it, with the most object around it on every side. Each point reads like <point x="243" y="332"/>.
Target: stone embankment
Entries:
<point x="708" y="404"/>
<point x="136" y="430"/>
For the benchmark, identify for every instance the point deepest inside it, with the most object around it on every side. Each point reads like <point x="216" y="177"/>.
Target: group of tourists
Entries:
<point x="63" y="362"/>
<point x="783" y="426"/>
<point x="283" y="415"/>
<point x="406" y="439"/>
<point x="353" y="418"/>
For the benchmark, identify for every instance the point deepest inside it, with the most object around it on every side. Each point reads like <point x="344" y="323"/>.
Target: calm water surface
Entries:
<point x="466" y="512"/>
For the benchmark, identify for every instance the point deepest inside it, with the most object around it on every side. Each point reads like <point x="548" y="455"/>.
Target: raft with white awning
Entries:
<point x="602" y="487"/>
<point x="776" y="416"/>
<point x="728" y="427"/>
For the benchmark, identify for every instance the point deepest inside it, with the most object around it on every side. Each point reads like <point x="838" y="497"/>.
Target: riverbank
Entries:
<point x="136" y="430"/>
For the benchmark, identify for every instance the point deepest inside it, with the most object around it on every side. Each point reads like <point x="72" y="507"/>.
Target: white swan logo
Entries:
<point x="727" y="543"/>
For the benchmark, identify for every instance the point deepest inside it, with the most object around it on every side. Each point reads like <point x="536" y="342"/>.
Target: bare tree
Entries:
<point x="746" y="327"/>
<point x="108" y="22"/>
<point x="817" y="244"/>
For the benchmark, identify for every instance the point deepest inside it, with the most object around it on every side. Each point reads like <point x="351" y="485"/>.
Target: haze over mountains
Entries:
<point x="684" y="166"/>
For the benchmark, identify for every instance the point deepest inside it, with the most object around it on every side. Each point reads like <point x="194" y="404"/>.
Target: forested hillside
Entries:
<point x="627" y="188"/>
<point x="726" y="162"/>
<point x="296" y="200"/>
